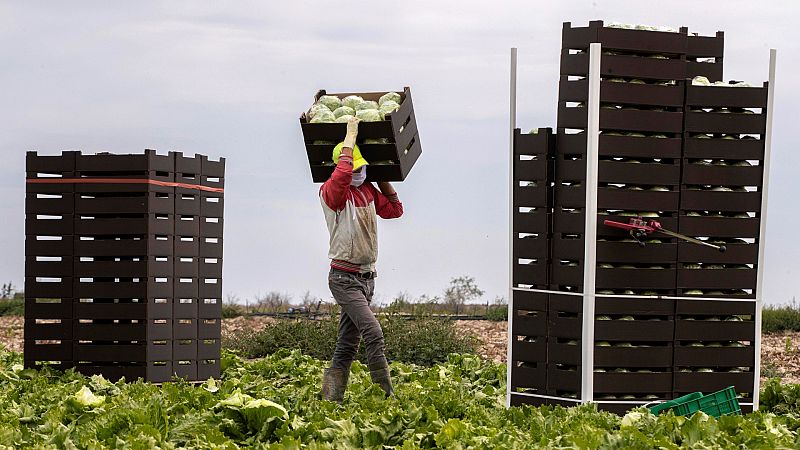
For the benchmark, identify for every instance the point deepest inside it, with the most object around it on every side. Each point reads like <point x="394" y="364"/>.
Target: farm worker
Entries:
<point x="351" y="205"/>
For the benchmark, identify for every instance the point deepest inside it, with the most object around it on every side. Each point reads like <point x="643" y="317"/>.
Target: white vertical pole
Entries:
<point x="762" y="233"/>
<point x="590" y="233"/>
<point x="512" y="113"/>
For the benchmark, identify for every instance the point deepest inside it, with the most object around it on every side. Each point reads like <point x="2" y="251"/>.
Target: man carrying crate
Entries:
<point x="350" y="207"/>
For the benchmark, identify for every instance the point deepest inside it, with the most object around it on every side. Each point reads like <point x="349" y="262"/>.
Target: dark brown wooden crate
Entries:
<point x="51" y="329"/>
<point x="535" y="273"/>
<point x="186" y="287"/>
<point x="209" y="328"/>
<point x="625" y="119"/>
<point x="563" y="326"/>
<point x="633" y="357"/>
<point x="616" y="252"/>
<point x="55" y="289"/>
<point x="34" y="268"/>
<point x="530" y="351"/>
<point x="706" y="200"/>
<point x="531" y="247"/>
<point x="563" y="380"/>
<point x="633" y="383"/>
<point x="529" y="323"/>
<point x="210" y="267"/>
<point x="620" y="146"/>
<point x="155" y="373"/>
<point x="622" y="172"/>
<point x="34" y="246"/>
<point x="713" y="381"/>
<point x="49" y="350"/>
<point x="210" y="289"/>
<point x="122" y="165"/>
<point x="532" y="196"/>
<point x="714" y="356"/>
<point x="126" y="226"/>
<point x="719" y="226"/>
<point x="540" y="143"/>
<point x="717" y="148"/>
<point x="211" y="226"/>
<point x="574" y="222"/>
<point x="400" y="127"/>
<point x="612" y="198"/>
<point x="712" y="71"/>
<point x="560" y="351"/>
<point x="49" y="225"/>
<point x="143" y="310"/>
<point x="706" y="46"/>
<point x="210" y="249"/>
<point x="730" y="97"/>
<point x="536" y="221"/>
<point x="184" y="307"/>
<point x="144" y="203"/>
<point x="51" y="164"/>
<point x="208" y="368"/>
<point x="183" y="349"/>
<point x="734" y="254"/>
<point x="639" y="41"/>
<point x="701" y="330"/>
<point x="47" y="308"/>
<point x="661" y="330"/>
<point x="627" y="66"/>
<point x="212" y="204"/>
<point x="622" y="93"/>
<point x="722" y="175"/>
<point x="529" y="376"/>
<point x="531" y="301"/>
<point x="717" y="278"/>
<point x="123" y="289"/>
<point x="209" y="308"/>
<point x="47" y="205"/>
<point x="148" y="245"/>
<point x="184" y="328"/>
<point x="208" y="348"/>
<point x="730" y="123"/>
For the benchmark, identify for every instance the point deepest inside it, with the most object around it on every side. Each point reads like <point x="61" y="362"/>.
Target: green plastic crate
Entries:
<point x="720" y="403"/>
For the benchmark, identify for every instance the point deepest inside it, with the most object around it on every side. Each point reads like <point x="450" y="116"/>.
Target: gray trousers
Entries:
<point x="354" y="295"/>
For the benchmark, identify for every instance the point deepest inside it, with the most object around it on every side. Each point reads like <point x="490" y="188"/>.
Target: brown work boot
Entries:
<point x="334" y="383"/>
<point x="382" y="377"/>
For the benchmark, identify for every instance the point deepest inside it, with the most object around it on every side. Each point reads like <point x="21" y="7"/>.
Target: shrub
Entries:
<point x="424" y="341"/>
<point x="231" y="310"/>
<point x="497" y="313"/>
<point x="781" y="318"/>
<point x="12" y="307"/>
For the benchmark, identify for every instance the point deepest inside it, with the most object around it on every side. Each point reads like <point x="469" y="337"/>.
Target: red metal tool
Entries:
<point x="639" y="228"/>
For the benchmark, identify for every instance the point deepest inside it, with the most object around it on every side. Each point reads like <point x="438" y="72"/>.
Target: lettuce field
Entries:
<point x="272" y="403"/>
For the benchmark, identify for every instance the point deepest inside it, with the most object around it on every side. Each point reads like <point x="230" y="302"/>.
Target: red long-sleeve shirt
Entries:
<point x="353" y="236"/>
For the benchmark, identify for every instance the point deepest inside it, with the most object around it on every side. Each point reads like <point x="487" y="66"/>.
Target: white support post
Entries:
<point x="512" y="113"/>
<point x="762" y="233"/>
<point x="590" y="232"/>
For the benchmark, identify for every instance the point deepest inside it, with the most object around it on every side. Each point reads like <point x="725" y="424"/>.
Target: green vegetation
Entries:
<point x="12" y="307"/>
<point x="273" y="404"/>
<point x="424" y="341"/>
<point x="781" y="318"/>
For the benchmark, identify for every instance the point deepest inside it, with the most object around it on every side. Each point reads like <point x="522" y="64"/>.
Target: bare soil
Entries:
<point x="780" y="352"/>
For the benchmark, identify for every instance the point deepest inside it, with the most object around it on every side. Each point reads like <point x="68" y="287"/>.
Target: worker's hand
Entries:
<point x="352" y="133"/>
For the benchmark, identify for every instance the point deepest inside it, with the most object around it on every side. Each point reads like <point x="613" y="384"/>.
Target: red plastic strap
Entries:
<point x="121" y="181"/>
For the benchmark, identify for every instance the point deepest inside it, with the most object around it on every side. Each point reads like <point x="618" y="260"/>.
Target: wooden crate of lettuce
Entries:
<point x="387" y="134"/>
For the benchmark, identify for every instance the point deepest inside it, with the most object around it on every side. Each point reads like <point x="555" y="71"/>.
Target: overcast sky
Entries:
<point x="231" y="78"/>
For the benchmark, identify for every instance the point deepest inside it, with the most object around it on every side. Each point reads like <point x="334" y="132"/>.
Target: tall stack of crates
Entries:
<point x="721" y="189"/>
<point x="113" y="265"/>
<point x="690" y="157"/>
<point x="533" y="197"/>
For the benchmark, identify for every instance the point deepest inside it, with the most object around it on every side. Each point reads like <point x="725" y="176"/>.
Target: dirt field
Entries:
<point x="780" y="352"/>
